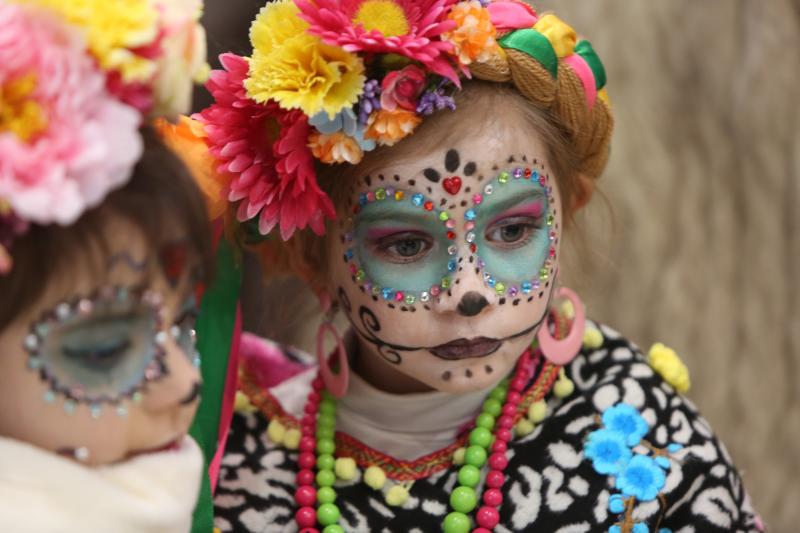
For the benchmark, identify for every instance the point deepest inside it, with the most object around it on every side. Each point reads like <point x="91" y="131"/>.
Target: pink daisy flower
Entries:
<point x="264" y="149"/>
<point x="411" y="28"/>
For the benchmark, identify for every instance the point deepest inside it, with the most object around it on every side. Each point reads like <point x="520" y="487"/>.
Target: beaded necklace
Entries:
<point x="488" y="442"/>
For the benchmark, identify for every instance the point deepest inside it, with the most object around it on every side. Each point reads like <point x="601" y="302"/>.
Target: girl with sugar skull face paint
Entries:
<point x="422" y="163"/>
<point x="104" y="239"/>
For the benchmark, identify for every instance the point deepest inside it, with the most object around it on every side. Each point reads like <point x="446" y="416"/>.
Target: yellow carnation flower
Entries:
<point x="298" y="70"/>
<point x="113" y="28"/>
<point x="666" y="362"/>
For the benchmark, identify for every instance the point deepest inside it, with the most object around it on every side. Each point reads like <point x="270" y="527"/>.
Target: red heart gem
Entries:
<point x="452" y="185"/>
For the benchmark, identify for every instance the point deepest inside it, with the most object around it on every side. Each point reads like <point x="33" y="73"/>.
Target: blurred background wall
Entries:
<point x="696" y="242"/>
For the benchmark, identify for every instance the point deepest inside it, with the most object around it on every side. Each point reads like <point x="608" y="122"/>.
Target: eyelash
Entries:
<point x="530" y="224"/>
<point x="383" y="245"/>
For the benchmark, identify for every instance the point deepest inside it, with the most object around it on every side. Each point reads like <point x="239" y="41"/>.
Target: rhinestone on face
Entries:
<point x="517" y="173"/>
<point x="399" y="195"/>
<point x="380" y="194"/>
<point x="469" y="226"/>
<point x="175" y="331"/>
<point x="389" y="192"/>
<point x="477" y="199"/>
<point x="444" y="216"/>
<point x="424" y="296"/>
<point x="362" y="200"/>
<point x="489" y="189"/>
<point x="136" y="397"/>
<point x="49" y="396"/>
<point x="513" y="292"/>
<point x="360" y="275"/>
<point x="486" y="276"/>
<point x="451" y="265"/>
<point x="387" y="293"/>
<point x="348" y="254"/>
<point x="399" y="296"/>
<point x="450" y="224"/>
<point x="34" y="363"/>
<point x="85" y="307"/>
<point x="503" y="177"/>
<point x="470" y="214"/>
<point x="452" y="249"/>
<point x="96" y="410"/>
<point x="445" y="283"/>
<point x="31" y="342"/>
<point x="436" y="290"/>
<point x="428" y="206"/>
<point x="470" y="237"/>
<point x="69" y="407"/>
<point x="526" y="287"/>
<point x="550" y="219"/>
<point x="418" y="200"/>
<point x="370" y="196"/>
<point x="122" y="410"/>
<point x="500" y="288"/>
<point x="491" y="282"/>
<point x="410" y="299"/>
<point x="63" y="311"/>
<point x="161" y="338"/>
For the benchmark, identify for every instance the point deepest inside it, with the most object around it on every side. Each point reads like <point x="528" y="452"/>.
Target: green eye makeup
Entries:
<point x="103" y="350"/>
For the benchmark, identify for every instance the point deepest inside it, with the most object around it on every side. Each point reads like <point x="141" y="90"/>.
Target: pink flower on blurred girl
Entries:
<point x="401" y="88"/>
<point x="65" y="142"/>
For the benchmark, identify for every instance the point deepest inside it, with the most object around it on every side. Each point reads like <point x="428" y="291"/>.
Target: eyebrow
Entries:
<point x="127" y="259"/>
<point x="514" y="201"/>
<point x="398" y="215"/>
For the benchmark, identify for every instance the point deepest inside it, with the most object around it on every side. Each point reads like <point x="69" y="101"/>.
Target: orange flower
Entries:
<point x="474" y="36"/>
<point x="187" y="140"/>
<point x="388" y="127"/>
<point x="336" y="147"/>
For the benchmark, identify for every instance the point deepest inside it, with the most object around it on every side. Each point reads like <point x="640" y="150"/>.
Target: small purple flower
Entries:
<point x="608" y="452"/>
<point x="434" y="100"/>
<point x="642" y="478"/>
<point x="370" y="101"/>
<point x="626" y="420"/>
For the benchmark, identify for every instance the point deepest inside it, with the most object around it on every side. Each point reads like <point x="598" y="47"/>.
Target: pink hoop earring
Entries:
<point x="335" y="382"/>
<point x="561" y="352"/>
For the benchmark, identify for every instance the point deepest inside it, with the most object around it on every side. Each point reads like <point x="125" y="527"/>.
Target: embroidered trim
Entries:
<point x="365" y="456"/>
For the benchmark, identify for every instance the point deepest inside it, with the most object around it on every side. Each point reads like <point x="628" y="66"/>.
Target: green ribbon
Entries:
<point x="585" y="50"/>
<point x="215" y="328"/>
<point x="535" y="45"/>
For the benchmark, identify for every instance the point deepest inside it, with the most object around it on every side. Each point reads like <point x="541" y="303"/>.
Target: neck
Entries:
<point x="379" y="373"/>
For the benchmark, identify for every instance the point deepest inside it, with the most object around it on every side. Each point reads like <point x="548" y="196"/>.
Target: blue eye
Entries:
<point x="184" y="330"/>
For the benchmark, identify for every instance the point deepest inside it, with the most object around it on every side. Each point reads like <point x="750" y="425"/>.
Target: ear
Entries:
<point x="584" y="188"/>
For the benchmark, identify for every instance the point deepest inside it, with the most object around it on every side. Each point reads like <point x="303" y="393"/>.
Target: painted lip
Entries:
<point x="171" y="446"/>
<point x="466" y="348"/>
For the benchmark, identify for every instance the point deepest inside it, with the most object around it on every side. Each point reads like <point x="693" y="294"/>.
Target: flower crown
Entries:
<point x="77" y="80"/>
<point x="329" y="80"/>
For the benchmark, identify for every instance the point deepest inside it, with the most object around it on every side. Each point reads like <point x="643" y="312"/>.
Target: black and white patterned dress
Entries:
<point x="550" y="484"/>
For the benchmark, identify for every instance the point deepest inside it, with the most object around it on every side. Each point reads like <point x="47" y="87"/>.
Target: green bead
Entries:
<point x="327" y="407"/>
<point x="485" y="420"/>
<point x="499" y="393"/>
<point x="333" y="528"/>
<point x="325" y="433"/>
<point x="456" y="523"/>
<point x="480" y="437"/>
<point x="328" y="514"/>
<point x="463" y="499"/>
<point x="326" y="478"/>
<point x="469" y="476"/>
<point x="475" y="456"/>
<point x="444" y="216"/>
<point x="325" y="446"/>
<point x="326" y="421"/>
<point x="326" y="495"/>
<point x="492" y="406"/>
<point x="325" y="462"/>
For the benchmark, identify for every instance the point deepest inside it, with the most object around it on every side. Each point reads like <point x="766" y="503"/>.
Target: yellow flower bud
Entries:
<point x="345" y="468"/>
<point x="397" y="496"/>
<point x="375" y="477"/>
<point x="276" y="431"/>
<point x="537" y="411"/>
<point x="666" y="362"/>
<point x="242" y="403"/>
<point x="292" y="439"/>
<point x="524" y="427"/>
<point x="592" y="338"/>
<point x="458" y="456"/>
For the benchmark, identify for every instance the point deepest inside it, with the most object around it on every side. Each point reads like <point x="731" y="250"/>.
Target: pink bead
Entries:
<point x="487" y="517"/>
<point x="481" y="530"/>
<point x="307" y="460"/>
<point x="498" y="461"/>
<point x="499" y="446"/>
<point x="306" y="496"/>
<point x="495" y="479"/>
<point x="503" y="434"/>
<point x="306" y="517"/>
<point x="308" y="420"/>
<point x="493" y="497"/>
<point x="305" y="477"/>
<point x="509" y="409"/>
<point x="307" y="444"/>
<point x="505" y="421"/>
<point x="314" y="396"/>
<point x="513" y="397"/>
<point x="317" y="384"/>
<point x="517" y="384"/>
<point x="310" y="408"/>
<point x="309" y="530"/>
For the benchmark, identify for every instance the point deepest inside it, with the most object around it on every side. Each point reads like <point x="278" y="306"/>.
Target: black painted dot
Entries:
<point x="495" y="168"/>
<point x="468" y="373"/>
<point x="477" y="270"/>
<point x="391" y="306"/>
<point x="515" y="302"/>
<point x="443" y="202"/>
<point x="463" y="203"/>
<point x="447" y="375"/>
<point x="430" y="191"/>
<point x="471" y="259"/>
<point x="488" y="369"/>
<point x="381" y="177"/>
<point x="468" y="189"/>
<point x="368" y="181"/>
<point x="374" y="298"/>
<point x="432" y="175"/>
<point x="396" y="177"/>
<point x="427" y="308"/>
<point x="547" y="284"/>
<point x="363" y="289"/>
<point x="530" y="298"/>
<point x="404" y="308"/>
<point x="452" y="206"/>
<point x="452" y="160"/>
<point x="413" y="309"/>
<point x="470" y="168"/>
<point x="449" y="293"/>
<point x="459" y="280"/>
<point x="541" y="294"/>
<point x="502" y="301"/>
<point x="511" y="159"/>
<point x="412" y="182"/>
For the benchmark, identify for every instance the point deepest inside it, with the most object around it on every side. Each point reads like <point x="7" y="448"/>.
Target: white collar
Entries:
<point x="41" y="492"/>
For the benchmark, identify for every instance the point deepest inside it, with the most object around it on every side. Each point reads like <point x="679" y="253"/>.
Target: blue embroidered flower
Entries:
<point x="626" y="420"/>
<point x="608" y="451"/>
<point x="674" y="448"/>
<point x="665" y="530"/>
<point x="345" y="122"/>
<point x="640" y="528"/>
<point x="616" y="503"/>
<point x="641" y="478"/>
<point x="662" y="461"/>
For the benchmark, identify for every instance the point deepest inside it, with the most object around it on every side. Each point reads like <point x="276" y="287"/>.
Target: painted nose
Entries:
<point x="471" y="304"/>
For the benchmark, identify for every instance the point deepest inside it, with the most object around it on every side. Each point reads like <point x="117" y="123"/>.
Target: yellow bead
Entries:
<point x="345" y="468"/>
<point x="242" y="403"/>
<point x="375" y="477"/>
<point x="397" y="496"/>
<point x="666" y="362"/>
<point x="537" y="411"/>
<point x="276" y="431"/>
<point x="592" y="338"/>
<point x="564" y="387"/>
<point x="567" y="309"/>
<point x="523" y="427"/>
<point x="458" y="456"/>
<point x="292" y="439"/>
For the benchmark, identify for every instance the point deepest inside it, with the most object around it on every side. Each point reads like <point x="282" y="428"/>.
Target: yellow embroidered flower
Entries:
<point x="474" y="36"/>
<point x="19" y="112"/>
<point x="560" y="34"/>
<point x="666" y="362"/>
<point x="113" y="28"/>
<point x="336" y="147"/>
<point x="388" y="127"/>
<point x="298" y="70"/>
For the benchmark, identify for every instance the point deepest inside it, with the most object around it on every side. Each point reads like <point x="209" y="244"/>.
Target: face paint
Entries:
<point x="104" y="349"/>
<point x="401" y="247"/>
<point x="508" y="229"/>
